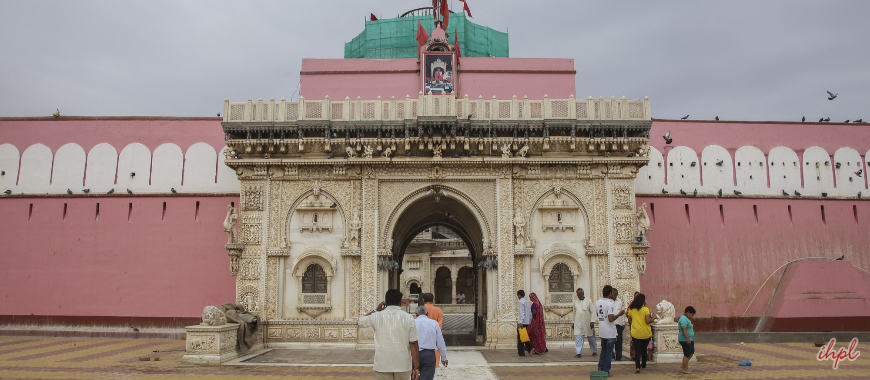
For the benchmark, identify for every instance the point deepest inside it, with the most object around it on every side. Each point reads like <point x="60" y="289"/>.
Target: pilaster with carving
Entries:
<point x="369" y="291"/>
<point x="506" y="289"/>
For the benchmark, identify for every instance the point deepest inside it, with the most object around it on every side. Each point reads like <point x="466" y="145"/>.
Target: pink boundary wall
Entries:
<point x="150" y="265"/>
<point x="153" y="267"/>
<point x="487" y="77"/>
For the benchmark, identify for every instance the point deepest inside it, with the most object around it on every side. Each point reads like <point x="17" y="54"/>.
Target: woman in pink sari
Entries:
<point x="537" y="329"/>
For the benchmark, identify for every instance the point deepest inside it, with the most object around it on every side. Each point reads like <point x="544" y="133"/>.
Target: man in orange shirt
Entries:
<point x="437" y="315"/>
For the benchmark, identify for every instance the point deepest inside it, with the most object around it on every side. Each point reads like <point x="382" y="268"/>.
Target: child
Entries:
<point x="687" y="337"/>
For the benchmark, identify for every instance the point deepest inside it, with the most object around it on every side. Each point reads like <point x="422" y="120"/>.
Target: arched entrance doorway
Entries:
<point x="443" y="286"/>
<point x="439" y="240"/>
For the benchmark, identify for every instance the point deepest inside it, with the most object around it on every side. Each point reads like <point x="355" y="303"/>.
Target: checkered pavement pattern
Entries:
<point x="84" y="358"/>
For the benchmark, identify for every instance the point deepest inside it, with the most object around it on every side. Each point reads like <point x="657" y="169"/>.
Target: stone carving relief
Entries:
<point x="229" y="340"/>
<point x="249" y="269"/>
<point x="622" y="198"/>
<point x="230" y="223"/>
<point x="520" y="228"/>
<point x="212" y="316"/>
<point x="252" y="197"/>
<point x="643" y="222"/>
<point x="623" y="227"/>
<point x="249" y="297"/>
<point x="641" y="264"/>
<point x="625" y="267"/>
<point x="250" y="229"/>
<point x="201" y="343"/>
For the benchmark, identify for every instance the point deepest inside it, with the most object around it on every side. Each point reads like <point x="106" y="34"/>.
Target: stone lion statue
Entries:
<point x="523" y="151"/>
<point x="666" y="313"/>
<point x="212" y="316"/>
<point x="388" y="152"/>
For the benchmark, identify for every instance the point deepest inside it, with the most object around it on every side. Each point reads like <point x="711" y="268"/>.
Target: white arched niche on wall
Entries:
<point x="817" y="171"/>
<point x="684" y="173"/>
<point x="227" y="181"/>
<point x="200" y="163"/>
<point x="101" y="167"/>
<point x="166" y="168"/>
<point x="134" y="168"/>
<point x="717" y="170"/>
<point x="651" y="177"/>
<point x="9" y="158"/>
<point x="783" y="167"/>
<point x="751" y="170"/>
<point x="301" y="242"/>
<point x="555" y="254"/>
<point x="68" y="171"/>
<point x="848" y="181"/>
<point x="35" y="173"/>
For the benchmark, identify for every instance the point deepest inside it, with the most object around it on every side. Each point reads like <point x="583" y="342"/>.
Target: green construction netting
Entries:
<point x="396" y="38"/>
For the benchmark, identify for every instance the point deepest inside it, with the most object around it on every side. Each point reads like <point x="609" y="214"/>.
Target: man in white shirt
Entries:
<point x="524" y="318"/>
<point x="606" y="327"/>
<point x="430" y="340"/>
<point x="395" y="334"/>
<point x="584" y="329"/>
<point x="460" y="298"/>
<point x="620" y="325"/>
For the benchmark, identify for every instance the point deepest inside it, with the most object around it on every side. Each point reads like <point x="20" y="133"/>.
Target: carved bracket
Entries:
<point x="234" y="250"/>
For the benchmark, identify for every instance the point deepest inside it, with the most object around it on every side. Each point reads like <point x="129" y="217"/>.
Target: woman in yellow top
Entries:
<point x="640" y="318"/>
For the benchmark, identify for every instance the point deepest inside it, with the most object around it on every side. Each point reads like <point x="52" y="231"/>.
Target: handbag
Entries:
<point x="524" y="335"/>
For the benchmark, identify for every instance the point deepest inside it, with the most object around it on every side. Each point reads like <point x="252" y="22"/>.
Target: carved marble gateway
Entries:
<point x="540" y="191"/>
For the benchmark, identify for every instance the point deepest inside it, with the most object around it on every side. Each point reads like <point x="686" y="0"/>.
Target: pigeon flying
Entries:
<point x="832" y="96"/>
<point x="668" y="138"/>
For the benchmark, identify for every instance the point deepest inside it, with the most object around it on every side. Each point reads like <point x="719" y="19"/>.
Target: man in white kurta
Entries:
<point x="583" y="327"/>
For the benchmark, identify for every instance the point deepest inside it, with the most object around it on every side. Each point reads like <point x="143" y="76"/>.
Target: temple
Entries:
<point x="431" y="167"/>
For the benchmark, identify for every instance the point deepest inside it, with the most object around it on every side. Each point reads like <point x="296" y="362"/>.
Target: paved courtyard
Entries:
<point x="84" y="358"/>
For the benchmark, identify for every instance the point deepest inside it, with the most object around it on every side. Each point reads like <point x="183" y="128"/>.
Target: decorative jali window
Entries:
<point x="314" y="280"/>
<point x="561" y="279"/>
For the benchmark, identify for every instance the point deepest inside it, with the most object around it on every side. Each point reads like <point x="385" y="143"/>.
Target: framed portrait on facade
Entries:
<point x="439" y="76"/>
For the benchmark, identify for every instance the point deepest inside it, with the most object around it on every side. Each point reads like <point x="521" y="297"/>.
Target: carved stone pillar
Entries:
<point x="453" y="277"/>
<point x="506" y="294"/>
<point x="369" y="288"/>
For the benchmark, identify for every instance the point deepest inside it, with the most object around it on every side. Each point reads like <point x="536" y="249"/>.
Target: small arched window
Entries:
<point x="314" y="279"/>
<point x="561" y="279"/>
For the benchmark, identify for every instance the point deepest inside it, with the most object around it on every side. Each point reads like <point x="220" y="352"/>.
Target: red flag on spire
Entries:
<point x="373" y="18"/>
<point x="422" y="36"/>
<point x="445" y="14"/>
<point x="465" y="8"/>
<point x="456" y="43"/>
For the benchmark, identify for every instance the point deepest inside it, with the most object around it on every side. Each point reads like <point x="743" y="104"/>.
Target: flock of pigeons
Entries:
<point x="831" y="96"/>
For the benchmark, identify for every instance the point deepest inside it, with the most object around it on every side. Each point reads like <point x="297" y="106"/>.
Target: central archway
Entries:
<point x="453" y="245"/>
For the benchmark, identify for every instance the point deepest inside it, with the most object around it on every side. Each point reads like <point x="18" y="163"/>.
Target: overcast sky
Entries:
<point x="740" y="60"/>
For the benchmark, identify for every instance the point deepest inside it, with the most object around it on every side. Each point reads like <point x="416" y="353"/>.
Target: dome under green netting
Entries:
<point x="396" y="38"/>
